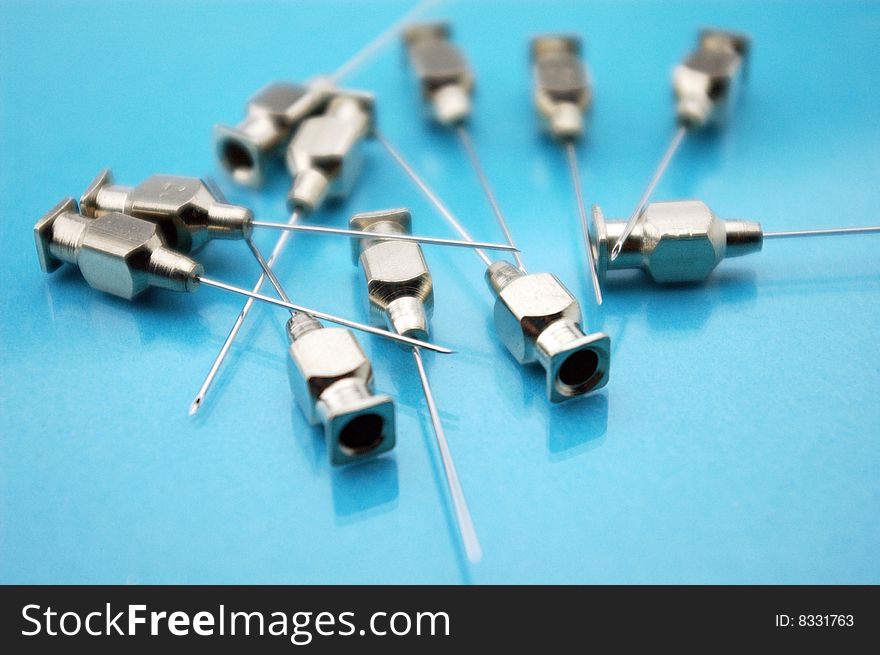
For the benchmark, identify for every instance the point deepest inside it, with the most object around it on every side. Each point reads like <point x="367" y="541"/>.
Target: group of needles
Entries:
<point x="125" y="239"/>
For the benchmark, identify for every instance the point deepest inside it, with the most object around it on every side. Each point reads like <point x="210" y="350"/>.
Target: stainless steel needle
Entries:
<point x="429" y="194"/>
<point x="677" y="138"/>
<point x="267" y="270"/>
<point x="361" y="234"/>
<point x="834" y="231"/>
<point x="462" y="514"/>
<point x="323" y="315"/>
<point x="280" y="244"/>
<point x="571" y="155"/>
<point x="465" y="138"/>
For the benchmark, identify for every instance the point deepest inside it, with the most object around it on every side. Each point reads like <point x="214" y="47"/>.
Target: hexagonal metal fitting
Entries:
<point x="399" y="285"/>
<point x="185" y="209"/>
<point x="562" y="85"/>
<point x="332" y="379"/>
<point x="115" y="253"/>
<point x="444" y="75"/>
<point x="323" y="157"/>
<point x="245" y="150"/>
<point x="538" y="320"/>
<point x="680" y="241"/>
<point x="706" y="83"/>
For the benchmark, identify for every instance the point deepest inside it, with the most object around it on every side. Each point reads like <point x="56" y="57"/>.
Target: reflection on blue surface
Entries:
<point x="737" y="440"/>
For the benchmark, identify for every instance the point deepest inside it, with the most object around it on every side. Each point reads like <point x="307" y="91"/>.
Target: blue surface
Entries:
<point x="736" y="442"/>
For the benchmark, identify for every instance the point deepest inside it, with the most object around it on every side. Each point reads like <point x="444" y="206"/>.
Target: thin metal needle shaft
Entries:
<point x="267" y="270"/>
<point x="462" y="514"/>
<point x="677" y="138"/>
<point x="376" y="44"/>
<point x="834" y="231"/>
<point x="280" y="244"/>
<point x="323" y="315"/>
<point x="571" y="154"/>
<point x="364" y="234"/>
<point x="465" y="138"/>
<point x="425" y="189"/>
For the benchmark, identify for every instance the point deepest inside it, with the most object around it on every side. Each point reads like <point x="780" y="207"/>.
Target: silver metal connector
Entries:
<point x="246" y="150"/>
<point x="680" y="241"/>
<point x="562" y="84"/>
<point x="446" y="79"/>
<point x="124" y="256"/>
<point x="332" y="381"/>
<point x="399" y="284"/>
<point x="707" y="81"/>
<point x="184" y="208"/>
<point x="539" y="320"/>
<point x="115" y="253"/>
<point x="323" y="156"/>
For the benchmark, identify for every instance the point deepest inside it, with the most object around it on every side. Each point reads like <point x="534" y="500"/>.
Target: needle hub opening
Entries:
<point x="362" y="434"/>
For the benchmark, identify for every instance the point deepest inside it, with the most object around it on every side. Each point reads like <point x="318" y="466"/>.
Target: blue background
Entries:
<point x="736" y="442"/>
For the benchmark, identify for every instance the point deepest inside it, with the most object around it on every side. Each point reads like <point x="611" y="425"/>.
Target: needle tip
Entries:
<point x="597" y="288"/>
<point x="474" y="552"/>
<point x="615" y="251"/>
<point x="196" y="406"/>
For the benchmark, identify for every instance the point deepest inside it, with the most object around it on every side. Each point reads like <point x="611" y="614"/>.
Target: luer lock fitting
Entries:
<point x="332" y="381"/>
<point x="538" y="320"/>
